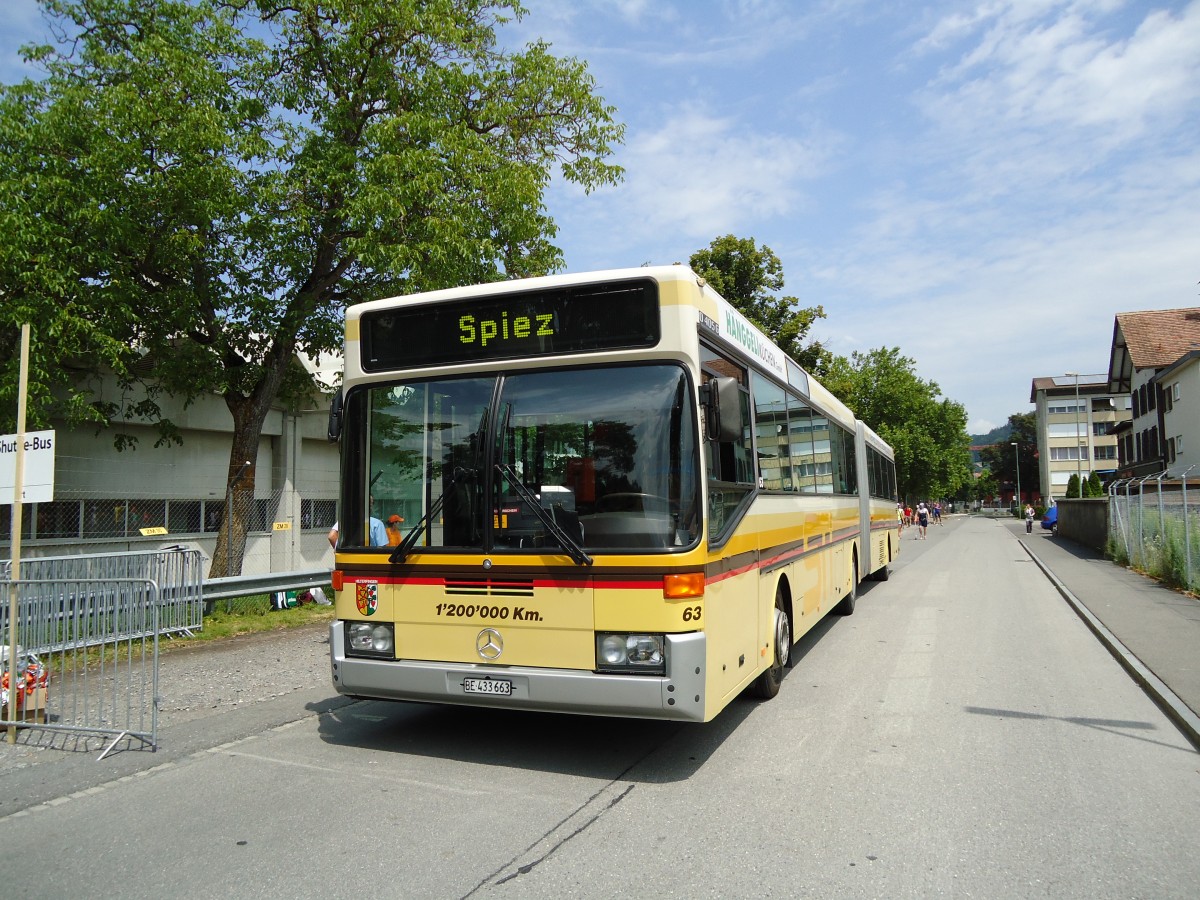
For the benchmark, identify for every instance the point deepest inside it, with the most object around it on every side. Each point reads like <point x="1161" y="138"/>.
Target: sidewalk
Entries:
<point x="1152" y="630"/>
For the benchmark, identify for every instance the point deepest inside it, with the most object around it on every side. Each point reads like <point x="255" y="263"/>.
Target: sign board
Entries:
<point x="38" y="480"/>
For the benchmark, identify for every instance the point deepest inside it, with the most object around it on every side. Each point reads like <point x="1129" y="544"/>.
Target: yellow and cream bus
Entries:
<point x="604" y="493"/>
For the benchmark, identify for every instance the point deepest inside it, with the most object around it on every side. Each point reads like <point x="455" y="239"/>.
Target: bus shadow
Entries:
<point x="637" y="750"/>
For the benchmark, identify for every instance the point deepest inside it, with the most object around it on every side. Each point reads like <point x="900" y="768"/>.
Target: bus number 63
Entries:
<point x="692" y="613"/>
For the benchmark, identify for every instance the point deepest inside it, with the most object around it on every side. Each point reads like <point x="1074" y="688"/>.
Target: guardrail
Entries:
<point x="246" y="585"/>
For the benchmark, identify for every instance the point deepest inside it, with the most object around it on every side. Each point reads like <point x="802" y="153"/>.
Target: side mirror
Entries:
<point x="335" y="418"/>
<point x="722" y="400"/>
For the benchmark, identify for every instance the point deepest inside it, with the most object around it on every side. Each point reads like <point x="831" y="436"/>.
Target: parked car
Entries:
<point x="1050" y="520"/>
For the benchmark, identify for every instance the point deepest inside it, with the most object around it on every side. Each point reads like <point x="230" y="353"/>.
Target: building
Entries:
<point x="1075" y="416"/>
<point x="154" y="497"/>
<point x="1155" y="356"/>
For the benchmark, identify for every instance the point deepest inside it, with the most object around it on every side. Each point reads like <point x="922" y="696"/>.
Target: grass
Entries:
<point x="251" y="615"/>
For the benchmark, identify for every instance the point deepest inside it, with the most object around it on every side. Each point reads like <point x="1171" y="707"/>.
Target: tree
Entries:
<point x="1002" y="459"/>
<point x="1092" y="486"/>
<point x="1073" y="487"/>
<point x="227" y="176"/>
<point x="928" y="432"/>
<point x="985" y="487"/>
<point x="746" y="275"/>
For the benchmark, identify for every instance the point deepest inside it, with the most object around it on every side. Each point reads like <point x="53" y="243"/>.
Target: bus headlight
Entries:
<point x="631" y="653"/>
<point x="370" y="639"/>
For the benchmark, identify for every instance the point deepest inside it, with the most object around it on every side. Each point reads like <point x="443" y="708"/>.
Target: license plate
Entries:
<point x="487" y="686"/>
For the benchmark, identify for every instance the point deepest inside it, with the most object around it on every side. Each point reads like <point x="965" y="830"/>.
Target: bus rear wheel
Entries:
<point x="846" y="607"/>
<point x="767" y="684"/>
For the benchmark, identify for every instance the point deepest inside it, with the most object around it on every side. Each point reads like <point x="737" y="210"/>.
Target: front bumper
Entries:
<point x="678" y="695"/>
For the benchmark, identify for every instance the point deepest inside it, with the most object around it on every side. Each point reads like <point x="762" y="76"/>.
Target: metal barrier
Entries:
<point x="96" y="641"/>
<point x="1155" y="524"/>
<point x="177" y="571"/>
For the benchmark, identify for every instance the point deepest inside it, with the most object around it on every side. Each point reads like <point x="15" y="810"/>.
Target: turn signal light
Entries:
<point x="338" y="579"/>
<point x="683" y="585"/>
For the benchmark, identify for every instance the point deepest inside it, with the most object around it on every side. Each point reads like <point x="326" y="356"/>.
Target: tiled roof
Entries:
<point x="1158" y="337"/>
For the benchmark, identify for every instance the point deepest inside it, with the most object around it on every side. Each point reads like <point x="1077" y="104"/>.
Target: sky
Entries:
<point x="983" y="185"/>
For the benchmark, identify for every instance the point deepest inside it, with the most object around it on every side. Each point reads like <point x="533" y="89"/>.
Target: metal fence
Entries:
<point x="177" y="571"/>
<point x="1154" y="525"/>
<point x="93" y="644"/>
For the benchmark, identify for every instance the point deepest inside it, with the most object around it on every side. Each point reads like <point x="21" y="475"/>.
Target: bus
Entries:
<point x="604" y="493"/>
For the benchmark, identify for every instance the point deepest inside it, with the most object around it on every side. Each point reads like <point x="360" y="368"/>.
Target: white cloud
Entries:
<point x="695" y="176"/>
<point x="1044" y="80"/>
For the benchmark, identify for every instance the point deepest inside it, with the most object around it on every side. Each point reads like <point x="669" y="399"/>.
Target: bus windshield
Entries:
<point x="608" y="455"/>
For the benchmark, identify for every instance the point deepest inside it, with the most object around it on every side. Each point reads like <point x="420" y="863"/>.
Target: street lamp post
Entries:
<point x="1079" y="445"/>
<point x="1017" y="458"/>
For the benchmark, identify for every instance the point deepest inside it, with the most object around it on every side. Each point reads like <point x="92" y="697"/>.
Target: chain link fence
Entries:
<point x="1154" y="525"/>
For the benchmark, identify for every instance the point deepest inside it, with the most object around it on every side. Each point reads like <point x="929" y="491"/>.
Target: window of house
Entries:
<point x="1066" y="408"/>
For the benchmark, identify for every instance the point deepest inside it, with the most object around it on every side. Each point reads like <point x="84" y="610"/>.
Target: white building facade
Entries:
<point x="1075" y="415"/>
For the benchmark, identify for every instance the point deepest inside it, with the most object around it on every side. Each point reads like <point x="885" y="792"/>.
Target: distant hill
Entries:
<point x="995" y="436"/>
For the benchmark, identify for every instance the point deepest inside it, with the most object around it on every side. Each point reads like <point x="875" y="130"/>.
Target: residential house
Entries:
<point x="1075" y="417"/>
<point x="1154" y="357"/>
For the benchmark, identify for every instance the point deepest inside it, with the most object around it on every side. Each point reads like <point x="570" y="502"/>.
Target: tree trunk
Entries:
<point x="248" y="413"/>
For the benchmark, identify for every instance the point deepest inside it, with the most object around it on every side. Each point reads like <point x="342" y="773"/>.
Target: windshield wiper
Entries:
<point x="461" y="475"/>
<point x="577" y="553"/>
<point x="405" y="546"/>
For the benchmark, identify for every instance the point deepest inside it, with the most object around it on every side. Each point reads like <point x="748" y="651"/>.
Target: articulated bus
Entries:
<point x="604" y="493"/>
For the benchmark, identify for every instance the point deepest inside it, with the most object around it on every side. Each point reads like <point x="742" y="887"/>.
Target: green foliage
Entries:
<point x="1073" y="487"/>
<point x="927" y="431"/>
<point x="995" y="436"/>
<point x="202" y="186"/>
<point x="210" y="183"/>
<point x="985" y="486"/>
<point x="1092" y="486"/>
<point x="1114" y="549"/>
<point x="1002" y="458"/>
<point x="748" y="276"/>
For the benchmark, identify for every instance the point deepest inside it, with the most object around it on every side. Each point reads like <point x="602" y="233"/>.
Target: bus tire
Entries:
<point x="846" y="607"/>
<point x="884" y="572"/>
<point x="767" y="684"/>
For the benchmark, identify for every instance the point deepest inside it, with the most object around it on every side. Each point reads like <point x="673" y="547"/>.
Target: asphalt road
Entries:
<point x="963" y="734"/>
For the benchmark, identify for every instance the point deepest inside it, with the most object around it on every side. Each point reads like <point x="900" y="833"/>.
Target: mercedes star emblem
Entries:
<point x="488" y="644"/>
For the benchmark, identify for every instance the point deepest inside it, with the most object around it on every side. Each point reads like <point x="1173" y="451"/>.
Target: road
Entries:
<point x="962" y="734"/>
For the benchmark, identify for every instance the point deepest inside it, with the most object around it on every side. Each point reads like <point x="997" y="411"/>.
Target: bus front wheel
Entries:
<point x="767" y="684"/>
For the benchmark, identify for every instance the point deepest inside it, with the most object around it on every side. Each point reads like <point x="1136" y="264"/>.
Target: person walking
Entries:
<point x="922" y="519"/>
<point x="1028" y="519"/>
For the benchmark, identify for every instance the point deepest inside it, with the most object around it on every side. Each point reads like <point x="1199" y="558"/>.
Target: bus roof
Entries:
<point x="677" y="272"/>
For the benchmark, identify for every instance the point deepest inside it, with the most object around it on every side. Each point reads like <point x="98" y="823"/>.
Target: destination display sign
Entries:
<point x="569" y="320"/>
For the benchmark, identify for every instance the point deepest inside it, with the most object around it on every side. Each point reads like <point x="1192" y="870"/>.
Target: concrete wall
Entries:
<point x="1084" y="521"/>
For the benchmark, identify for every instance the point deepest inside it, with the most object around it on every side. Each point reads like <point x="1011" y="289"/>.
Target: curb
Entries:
<point x="1177" y="711"/>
